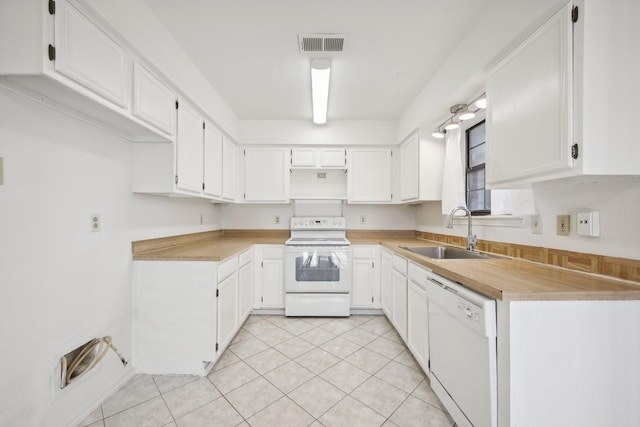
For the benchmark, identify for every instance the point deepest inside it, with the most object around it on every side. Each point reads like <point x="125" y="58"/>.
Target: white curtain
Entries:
<point x="453" y="188"/>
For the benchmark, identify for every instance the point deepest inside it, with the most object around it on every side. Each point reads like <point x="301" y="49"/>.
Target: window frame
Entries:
<point x="465" y="128"/>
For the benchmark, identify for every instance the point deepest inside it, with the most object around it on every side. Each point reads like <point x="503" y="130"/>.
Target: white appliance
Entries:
<point x="317" y="268"/>
<point x="462" y="349"/>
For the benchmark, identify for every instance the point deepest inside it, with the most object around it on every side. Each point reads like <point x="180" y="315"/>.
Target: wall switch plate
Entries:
<point x="322" y="175"/>
<point x="588" y="224"/>
<point x="277" y="219"/>
<point x="536" y="224"/>
<point x="562" y="227"/>
<point x="363" y="219"/>
<point x="95" y="222"/>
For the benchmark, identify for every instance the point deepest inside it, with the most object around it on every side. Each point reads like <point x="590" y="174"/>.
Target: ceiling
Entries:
<point x="248" y="50"/>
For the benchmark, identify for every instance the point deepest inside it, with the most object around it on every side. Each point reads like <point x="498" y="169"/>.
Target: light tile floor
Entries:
<point x="281" y="372"/>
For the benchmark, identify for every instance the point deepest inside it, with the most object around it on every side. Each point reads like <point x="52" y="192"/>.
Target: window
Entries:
<point x="478" y="198"/>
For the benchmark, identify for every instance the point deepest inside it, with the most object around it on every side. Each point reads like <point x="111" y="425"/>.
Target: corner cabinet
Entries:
<point x="193" y="165"/>
<point x="550" y="100"/>
<point x="55" y="52"/>
<point x="266" y="174"/>
<point x="420" y="170"/>
<point x="369" y="177"/>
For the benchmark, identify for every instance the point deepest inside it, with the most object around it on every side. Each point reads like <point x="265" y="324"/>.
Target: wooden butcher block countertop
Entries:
<point x="502" y="278"/>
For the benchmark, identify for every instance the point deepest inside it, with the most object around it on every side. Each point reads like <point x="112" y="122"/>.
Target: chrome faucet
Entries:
<point x="471" y="238"/>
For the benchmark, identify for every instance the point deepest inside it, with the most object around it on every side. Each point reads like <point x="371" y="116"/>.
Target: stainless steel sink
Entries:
<point x="445" y="252"/>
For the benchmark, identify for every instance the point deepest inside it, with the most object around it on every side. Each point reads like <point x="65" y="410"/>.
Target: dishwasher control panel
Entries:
<point x="470" y="313"/>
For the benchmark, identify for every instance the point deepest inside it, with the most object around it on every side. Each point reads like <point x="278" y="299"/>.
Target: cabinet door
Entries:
<point x="227" y="310"/>
<point x="87" y="55"/>
<point x="212" y="161"/>
<point x="266" y="175"/>
<point x="189" y="164"/>
<point x="386" y="279"/>
<point x="153" y="102"/>
<point x="333" y="158"/>
<point x="272" y="283"/>
<point x="418" y="323"/>
<point x="369" y="178"/>
<point x="303" y="157"/>
<point x="228" y="169"/>
<point x="245" y="290"/>
<point x="399" y="314"/>
<point x="409" y="169"/>
<point x="529" y="96"/>
<point x="363" y="281"/>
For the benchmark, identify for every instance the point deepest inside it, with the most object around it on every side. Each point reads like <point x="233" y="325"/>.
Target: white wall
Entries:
<point x="337" y="132"/>
<point x="378" y="217"/>
<point x="617" y="201"/>
<point x="60" y="284"/>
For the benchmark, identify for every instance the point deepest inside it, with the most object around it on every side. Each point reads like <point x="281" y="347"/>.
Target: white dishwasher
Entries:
<point x="462" y="345"/>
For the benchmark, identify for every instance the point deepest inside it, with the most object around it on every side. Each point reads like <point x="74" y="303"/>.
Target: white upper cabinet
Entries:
<point x="553" y="111"/>
<point x="89" y="56"/>
<point x="153" y="101"/>
<point x="189" y="150"/>
<point x="229" y="169"/>
<point x="369" y="175"/>
<point x="212" y="159"/>
<point x="420" y="170"/>
<point x="55" y="52"/>
<point x="266" y="177"/>
<point x="318" y="158"/>
<point x="529" y="105"/>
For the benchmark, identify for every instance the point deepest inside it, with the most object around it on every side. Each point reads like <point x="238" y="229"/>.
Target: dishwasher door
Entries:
<point x="462" y="344"/>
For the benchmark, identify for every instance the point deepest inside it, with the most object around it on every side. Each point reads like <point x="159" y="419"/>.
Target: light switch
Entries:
<point x="588" y="224"/>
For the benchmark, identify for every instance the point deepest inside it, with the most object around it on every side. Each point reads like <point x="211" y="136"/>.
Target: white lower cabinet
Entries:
<point x="365" y="291"/>
<point x="174" y="316"/>
<point x="187" y="312"/>
<point x="399" y="290"/>
<point x="245" y="284"/>
<point x="417" y="315"/>
<point x="386" y="289"/>
<point x="269" y="290"/>
<point x="227" y="294"/>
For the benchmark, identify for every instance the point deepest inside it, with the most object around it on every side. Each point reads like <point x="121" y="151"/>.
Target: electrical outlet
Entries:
<point x="277" y="219"/>
<point x="536" y="224"/>
<point x="562" y="227"/>
<point x="363" y="219"/>
<point x="95" y="222"/>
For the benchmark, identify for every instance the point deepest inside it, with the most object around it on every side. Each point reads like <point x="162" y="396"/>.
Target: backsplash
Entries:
<point x="622" y="268"/>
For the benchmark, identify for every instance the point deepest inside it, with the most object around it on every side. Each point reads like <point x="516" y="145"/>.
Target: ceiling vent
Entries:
<point x="321" y="42"/>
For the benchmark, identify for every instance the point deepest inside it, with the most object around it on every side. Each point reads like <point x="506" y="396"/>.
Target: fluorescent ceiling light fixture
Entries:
<point x="320" y="74"/>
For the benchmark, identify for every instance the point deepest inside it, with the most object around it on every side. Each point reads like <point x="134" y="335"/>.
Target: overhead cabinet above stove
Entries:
<point x="318" y="158"/>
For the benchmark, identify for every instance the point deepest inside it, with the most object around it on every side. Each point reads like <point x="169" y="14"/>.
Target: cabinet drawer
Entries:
<point x="227" y="268"/>
<point x="418" y="274"/>
<point x="274" y="252"/>
<point x="245" y="257"/>
<point x="400" y="264"/>
<point x="362" y="252"/>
